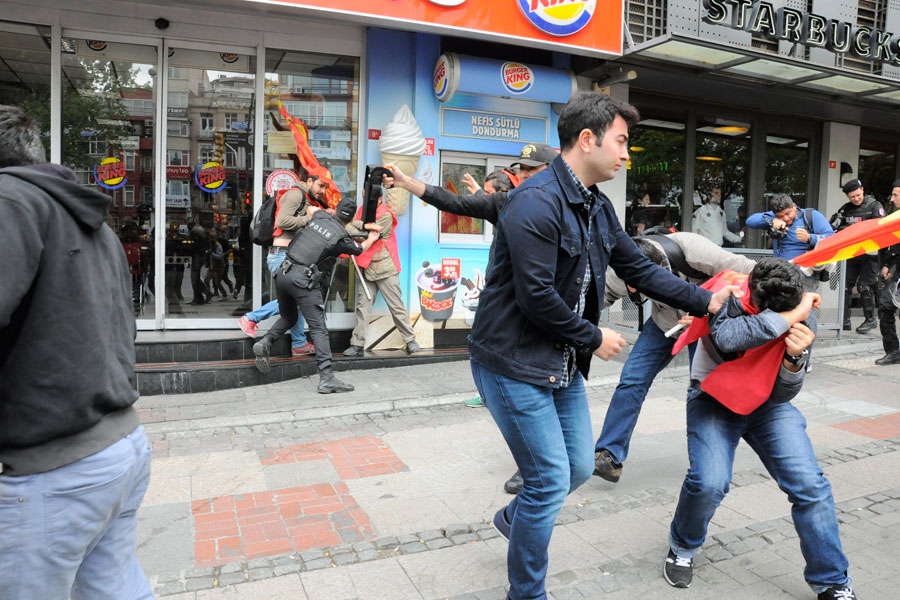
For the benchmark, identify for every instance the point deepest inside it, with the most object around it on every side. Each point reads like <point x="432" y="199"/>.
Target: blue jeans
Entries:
<point x="777" y="433"/>
<point x="651" y="353"/>
<point x="70" y="532"/>
<point x="549" y="434"/>
<point x="270" y="309"/>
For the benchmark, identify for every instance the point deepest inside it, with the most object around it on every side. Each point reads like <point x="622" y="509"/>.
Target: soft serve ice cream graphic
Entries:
<point x="401" y="144"/>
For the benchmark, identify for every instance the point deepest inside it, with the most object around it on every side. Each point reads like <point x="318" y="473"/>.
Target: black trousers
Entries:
<point x="887" y="313"/>
<point x="293" y="295"/>
<point x="862" y="272"/>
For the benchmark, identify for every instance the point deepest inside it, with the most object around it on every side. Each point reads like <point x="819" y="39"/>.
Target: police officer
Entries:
<point x="299" y="279"/>
<point x="890" y="273"/>
<point x="861" y="270"/>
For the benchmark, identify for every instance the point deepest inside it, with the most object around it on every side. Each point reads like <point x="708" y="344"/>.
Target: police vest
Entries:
<point x="317" y="241"/>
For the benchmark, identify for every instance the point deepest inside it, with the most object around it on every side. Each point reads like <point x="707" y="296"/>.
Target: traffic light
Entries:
<point x="272" y="92"/>
<point x="248" y="198"/>
<point x="219" y="151"/>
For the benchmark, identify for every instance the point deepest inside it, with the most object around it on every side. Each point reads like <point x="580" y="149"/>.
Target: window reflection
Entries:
<point x="721" y="177"/>
<point x="655" y="177"/>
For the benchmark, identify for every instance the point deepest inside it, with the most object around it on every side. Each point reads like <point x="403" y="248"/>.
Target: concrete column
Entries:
<point x="840" y="143"/>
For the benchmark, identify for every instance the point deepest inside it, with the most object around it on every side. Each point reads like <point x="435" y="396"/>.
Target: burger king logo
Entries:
<point x="228" y="57"/>
<point x="441" y="78"/>
<point x="517" y="78"/>
<point x="558" y="17"/>
<point x="110" y="173"/>
<point x="210" y="177"/>
<point x="96" y="45"/>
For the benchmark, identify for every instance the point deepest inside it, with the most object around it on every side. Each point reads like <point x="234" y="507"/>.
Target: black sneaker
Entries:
<point x="514" y="484"/>
<point x="502" y="524"/>
<point x="679" y="571"/>
<point x="354" y="351"/>
<point x="606" y="467"/>
<point x="838" y="592"/>
<point x="333" y="386"/>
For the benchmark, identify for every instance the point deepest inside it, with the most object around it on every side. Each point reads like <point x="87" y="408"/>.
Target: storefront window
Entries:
<point x="107" y="100"/>
<point x="877" y="169"/>
<point x="655" y="176"/>
<point x="721" y="178"/>
<point x="322" y="92"/>
<point x="787" y="164"/>
<point x="25" y="71"/>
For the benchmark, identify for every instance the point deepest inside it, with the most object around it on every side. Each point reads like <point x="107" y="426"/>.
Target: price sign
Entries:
<point x="450" y="268"/>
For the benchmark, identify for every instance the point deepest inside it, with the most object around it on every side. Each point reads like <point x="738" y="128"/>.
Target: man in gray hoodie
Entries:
<point x="74" y="459"/>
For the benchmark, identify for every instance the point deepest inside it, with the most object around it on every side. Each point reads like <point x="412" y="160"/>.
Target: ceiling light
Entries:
<point x="637" y="148"/>
<point x="730" y="129"/>
<point x="709" y="158"/>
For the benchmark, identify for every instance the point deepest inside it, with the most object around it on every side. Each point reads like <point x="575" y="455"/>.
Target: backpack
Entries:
<point x="262" y="228"/>
<point x="263" y="225"/>
<point x="674" y="253"/>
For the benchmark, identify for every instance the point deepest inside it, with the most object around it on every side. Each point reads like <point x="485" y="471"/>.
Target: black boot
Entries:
<point x="868" y="325"/>
<point x="514" y="484"/>
<point x="261" y="351"/>
<point x="891" y="358"/>
<point x="333" y="385"/>
<point x="868" y="302"/>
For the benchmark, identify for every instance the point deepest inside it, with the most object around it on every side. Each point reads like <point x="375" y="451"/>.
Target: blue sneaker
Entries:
<point x="502" y="524"/>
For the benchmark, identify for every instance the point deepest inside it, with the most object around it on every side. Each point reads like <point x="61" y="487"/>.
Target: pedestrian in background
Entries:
<point x="535" y="330"/>
<point x="74" y="459"/>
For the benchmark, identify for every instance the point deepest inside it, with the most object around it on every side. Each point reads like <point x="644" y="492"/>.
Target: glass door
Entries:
<point x="108" y="107"/>
<point x="208" y="159"/>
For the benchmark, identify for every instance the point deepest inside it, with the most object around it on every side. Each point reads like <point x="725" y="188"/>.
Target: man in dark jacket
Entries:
<point x="74" y="460"/>
<point x="536" y="331"/>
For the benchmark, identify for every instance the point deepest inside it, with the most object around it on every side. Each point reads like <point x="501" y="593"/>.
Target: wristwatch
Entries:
<point x="798" y="361"/>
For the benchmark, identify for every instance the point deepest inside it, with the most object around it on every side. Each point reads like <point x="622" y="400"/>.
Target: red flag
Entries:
<point x="859" y="238"/>
<point x="741" y="385"/>
<point x="307" y="159"/>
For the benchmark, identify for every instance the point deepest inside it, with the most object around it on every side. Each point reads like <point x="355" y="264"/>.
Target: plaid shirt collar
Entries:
<point x="589" y="197"/>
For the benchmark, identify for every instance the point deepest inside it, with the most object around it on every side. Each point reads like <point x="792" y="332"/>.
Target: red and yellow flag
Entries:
<point x="860" y="238"/>
<point x="307" y="159"/>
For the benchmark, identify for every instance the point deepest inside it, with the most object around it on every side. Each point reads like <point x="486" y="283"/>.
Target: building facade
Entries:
<point x="173" y="110"/>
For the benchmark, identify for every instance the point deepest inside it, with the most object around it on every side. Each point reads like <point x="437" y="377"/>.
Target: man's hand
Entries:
<point x="778" y="224"/>
<point x="799" y="338"/>
<point x="809" y="301"/>
<point x="802" y="234"/>
<point x="471" y="183"/>
<point x="373" y="227"/>
<point x="719" y="298"/>
<point x="612" y="344"/>
<point x="311" y="210"/>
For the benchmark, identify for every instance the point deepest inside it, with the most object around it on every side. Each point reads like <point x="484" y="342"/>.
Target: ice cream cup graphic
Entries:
<point x="436" y="296"/>
<point x="401" y="144"/>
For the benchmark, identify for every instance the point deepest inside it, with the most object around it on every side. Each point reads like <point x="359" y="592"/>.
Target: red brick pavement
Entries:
<point x="880" y="428"/>
<point x="259" y="524"/>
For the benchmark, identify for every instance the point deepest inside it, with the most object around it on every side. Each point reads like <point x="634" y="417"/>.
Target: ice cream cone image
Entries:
<point x="402" y="145"/>
<point x="397" y="199"/>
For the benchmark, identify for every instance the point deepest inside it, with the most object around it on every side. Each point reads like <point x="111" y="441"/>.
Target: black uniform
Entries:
<point x="862" y="270"/>
<point x="889" y="257"/>
<point x="299" y="280"/>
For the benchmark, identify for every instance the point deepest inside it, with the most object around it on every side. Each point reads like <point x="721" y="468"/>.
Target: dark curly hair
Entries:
<point x="649" y="249"/>
<point x="775" y="284"/>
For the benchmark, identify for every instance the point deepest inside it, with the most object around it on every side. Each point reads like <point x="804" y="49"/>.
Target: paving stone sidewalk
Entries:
<point x="276" y="492"/>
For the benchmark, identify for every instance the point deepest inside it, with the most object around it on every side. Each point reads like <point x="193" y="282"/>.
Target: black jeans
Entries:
<point x="293" y="295"/>
<point x="887" y="313"/>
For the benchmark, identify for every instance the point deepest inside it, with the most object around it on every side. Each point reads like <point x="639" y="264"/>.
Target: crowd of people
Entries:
<point x="559" y="256"/>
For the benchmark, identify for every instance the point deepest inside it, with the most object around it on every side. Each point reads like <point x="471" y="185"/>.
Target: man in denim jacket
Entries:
<point x="775" y="428"/>
<point x="536" y="331"/>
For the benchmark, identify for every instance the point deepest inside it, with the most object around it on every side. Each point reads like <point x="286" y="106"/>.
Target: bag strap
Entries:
<point x="676" y="256"/>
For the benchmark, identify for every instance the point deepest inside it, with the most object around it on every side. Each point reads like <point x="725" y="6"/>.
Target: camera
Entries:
<point x="777" y="234"/>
